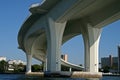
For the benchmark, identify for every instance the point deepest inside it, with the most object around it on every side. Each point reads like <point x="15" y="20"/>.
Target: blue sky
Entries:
<point x="13" y="14"/>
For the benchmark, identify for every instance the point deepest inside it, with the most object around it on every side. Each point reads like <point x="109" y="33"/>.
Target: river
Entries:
<point x="23" y="77"/>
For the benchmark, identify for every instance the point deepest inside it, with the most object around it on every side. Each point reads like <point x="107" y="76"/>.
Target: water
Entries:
<point x="23" y="77"/>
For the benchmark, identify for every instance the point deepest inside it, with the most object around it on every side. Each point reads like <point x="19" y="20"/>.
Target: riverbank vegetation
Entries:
<point x="18" y="68"/>
<point x="5" y="67"/>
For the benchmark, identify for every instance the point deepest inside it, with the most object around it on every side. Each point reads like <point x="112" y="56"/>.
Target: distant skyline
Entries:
<point x="14" y="13"/>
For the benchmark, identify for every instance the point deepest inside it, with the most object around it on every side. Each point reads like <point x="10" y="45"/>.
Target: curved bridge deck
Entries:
<point x="54" y="22"/>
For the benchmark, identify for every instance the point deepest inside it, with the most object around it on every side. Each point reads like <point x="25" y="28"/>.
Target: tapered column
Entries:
<point x="29" y="61"/>
<point x="54" y="40"/>
<point x="91" y="38"/>
<point x="45" y="65"/>
<point x="70" y="69"/>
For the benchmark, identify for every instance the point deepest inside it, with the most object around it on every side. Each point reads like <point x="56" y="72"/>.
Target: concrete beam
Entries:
<point x="65" y="10"/>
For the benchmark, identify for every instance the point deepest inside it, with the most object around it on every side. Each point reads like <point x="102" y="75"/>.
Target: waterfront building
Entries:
<point x="64" y="57"/>
<point x="12" y="64"/>
<point x="2" y="58"/>
<point x="106" y="61"/>
<point x="111" y="62"/>
<point x="16" y="62"/>
<point x="119" y="58"/>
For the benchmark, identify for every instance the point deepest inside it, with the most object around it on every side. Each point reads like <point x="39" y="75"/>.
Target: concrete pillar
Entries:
<point x="91" y="38"/>
<point x="45" y="65"/>
<point x="29" y="61"/>
<point x="54" y="40"/>
<point x="70" y="69"/>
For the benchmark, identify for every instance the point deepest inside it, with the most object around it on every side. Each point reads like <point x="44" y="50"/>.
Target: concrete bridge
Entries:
<point x="53" y="22"/>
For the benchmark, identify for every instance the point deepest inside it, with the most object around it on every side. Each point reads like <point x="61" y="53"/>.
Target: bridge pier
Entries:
<point x="45" y="65"/>
<point x="70" y="69"/>
<point x="29" y="61"/>
<point x="91" y="37"/>
<point x="54" y="40"/>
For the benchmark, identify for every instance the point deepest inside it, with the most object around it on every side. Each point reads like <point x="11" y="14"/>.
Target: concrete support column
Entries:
<point x="91" y="38"/>
<point x="70" y="69"/>
<point x="54" y="40"/>
<point x="45" y="65"/>
<point x="29" y="61"/>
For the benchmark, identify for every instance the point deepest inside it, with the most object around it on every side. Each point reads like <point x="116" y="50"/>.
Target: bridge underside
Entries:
<point x="54" y="22"/>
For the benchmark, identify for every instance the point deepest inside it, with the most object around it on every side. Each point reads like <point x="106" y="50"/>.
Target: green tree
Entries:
<point x="80" y="65"/>
<point x="15" y="67"/>
<point x="64" y="68"/>
<point x="3" y="66"/>
<point x="21" y="67"/>
<point x="36" y="68"/>
<point x="106" y="69"/>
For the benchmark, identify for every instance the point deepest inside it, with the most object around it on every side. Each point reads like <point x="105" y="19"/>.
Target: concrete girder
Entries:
<point x="39" y="48"/>
<point x="24" y="29"/>
<point x="68" y="64"/>
<point x="104" y="15"/>
<point x="37" y="29"/>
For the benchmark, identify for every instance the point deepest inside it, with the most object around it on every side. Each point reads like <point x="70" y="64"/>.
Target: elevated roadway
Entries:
<point x="53" y="22"/>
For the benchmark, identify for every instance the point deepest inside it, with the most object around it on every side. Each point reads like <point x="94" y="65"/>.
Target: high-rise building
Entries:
<point x="105" y="62"/>
<point x="111" y="62"/>
<point x="108" y="61"/>
<point x="64" y="57"/>
<point x="119" y="58"/>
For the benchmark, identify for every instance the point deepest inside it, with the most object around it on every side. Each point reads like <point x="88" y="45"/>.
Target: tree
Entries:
<point x="19" y="67"/>
<point x="64" y="68"/>
<point x="15" y="66"/>
<point x="106" y="69"/>
<point x="36" y="68"/>
<point x="3" y="66"/>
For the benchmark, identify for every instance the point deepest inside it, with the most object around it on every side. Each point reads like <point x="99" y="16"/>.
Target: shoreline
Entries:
<point x="111" y="75"/>
<point x="13" y="73"/>
<point x="103" y="74"/>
